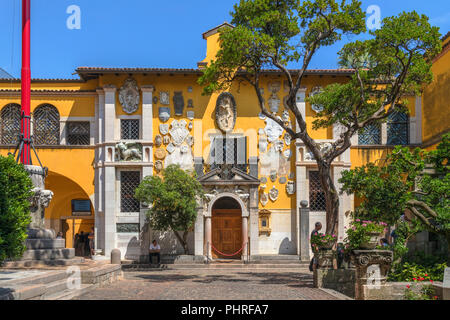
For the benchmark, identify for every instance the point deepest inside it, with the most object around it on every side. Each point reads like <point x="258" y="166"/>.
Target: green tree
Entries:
<point x="418" y="181"/>
<point x="172" y="201"/>
<point x="274" y="33"/>
<point x="15" y="194"/>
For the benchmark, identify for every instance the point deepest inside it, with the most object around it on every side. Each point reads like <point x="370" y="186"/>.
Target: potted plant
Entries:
<point x="364" y="235"/>
<point x="323" y="241"/>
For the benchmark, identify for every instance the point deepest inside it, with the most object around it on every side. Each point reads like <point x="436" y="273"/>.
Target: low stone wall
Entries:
<point x="102" y="275"/>
<point x="340" y="280"/>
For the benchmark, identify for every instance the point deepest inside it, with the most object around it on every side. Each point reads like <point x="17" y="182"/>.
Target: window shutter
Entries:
<point x="229" y="147"/>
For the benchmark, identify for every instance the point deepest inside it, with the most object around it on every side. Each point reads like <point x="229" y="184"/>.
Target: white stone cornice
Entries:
<point x="109" y="88"/>
<point x="147" y="88"/>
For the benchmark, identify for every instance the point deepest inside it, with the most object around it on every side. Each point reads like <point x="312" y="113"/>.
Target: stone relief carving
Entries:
<point x="287" y="153"/>
<point x="292" y="176"/>
<point x="273" y="130"/>
<point x="285" y="116"/>
<point x="263" y="180"/>
<point x="287" y="139"/>
<point x="190" y="141"/>
<point x="164" y="129"/>
<point x="164" y="98"/>
<point x="269" y="162"/>
<point x="226" y="112"/>
<point x="290" y="188"/>
<point x="155" y="100"/>
<point x="244" y="195"/>
<point x="264" y="199"/>
<point x="170" y="148"/>
<point x="263" y="144"/>
<point x="262" y="116"/>
<point x="274" y="103"/>
<point x="191" y="125"/>
<point x="178" y="102"/>
<point x="166" y="140"/>
<point x="273" y="194"/>
<point x="273" y="175"/>
<point x="160" y="154"/>
<point x="282" y="180"/>
<point x="158" y="140"/>
<point x="190" y="103"/>
<point x="128" y="152"/>
<point x="129" y="96"/>
<point x="189" y="89"/>
<point x="191" y="115"/>
<point x="159" y="166"/>
<point x="178" y="132"/>
<point x="41" y="198"/>
<point x="275" y="86"/>
<point x="283" y="169"/>
<point x="164" y="114"/>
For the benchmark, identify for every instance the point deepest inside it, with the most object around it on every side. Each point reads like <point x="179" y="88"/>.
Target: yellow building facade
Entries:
<point x="101" y="135"/>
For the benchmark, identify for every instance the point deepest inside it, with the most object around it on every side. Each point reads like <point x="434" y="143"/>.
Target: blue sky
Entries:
<point x="143" y="33"/>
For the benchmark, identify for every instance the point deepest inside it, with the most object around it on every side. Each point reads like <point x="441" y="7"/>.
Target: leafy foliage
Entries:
<point x="360" y="231"/>
<point x="15" y="192"/>
<point x="173" y="201"/>
<point x="405" y="182"/>
<point x="319" y="241"/>
<point x="271" y="34"/>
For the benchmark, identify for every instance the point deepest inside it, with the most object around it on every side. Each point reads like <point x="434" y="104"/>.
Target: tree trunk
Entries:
<point x="331" y="199"/>
<point x="447" y="236"/>
<point x="183" y="240"/>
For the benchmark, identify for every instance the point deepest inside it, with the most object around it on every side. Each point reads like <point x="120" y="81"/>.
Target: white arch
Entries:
<point x="244" y="210"/>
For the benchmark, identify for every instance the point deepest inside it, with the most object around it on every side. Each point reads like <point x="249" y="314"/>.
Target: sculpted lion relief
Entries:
<point x="226" y="112"/>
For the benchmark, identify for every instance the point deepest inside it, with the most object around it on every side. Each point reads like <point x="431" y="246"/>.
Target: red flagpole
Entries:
<point x="25" y="155"/>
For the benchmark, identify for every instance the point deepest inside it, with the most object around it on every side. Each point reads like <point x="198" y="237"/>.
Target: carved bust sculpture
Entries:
<point x="129" y="96"/>
<point x="226" y="112"/>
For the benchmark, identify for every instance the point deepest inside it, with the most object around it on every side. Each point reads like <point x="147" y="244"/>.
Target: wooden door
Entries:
<point x="227" y="233"/>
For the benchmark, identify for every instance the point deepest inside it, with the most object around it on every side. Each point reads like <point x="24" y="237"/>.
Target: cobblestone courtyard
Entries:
<point x="212" y="284"/>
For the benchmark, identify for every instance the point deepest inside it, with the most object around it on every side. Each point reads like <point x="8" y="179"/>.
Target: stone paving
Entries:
<point x="14" y="275"/>
<point x="212" y="285"/>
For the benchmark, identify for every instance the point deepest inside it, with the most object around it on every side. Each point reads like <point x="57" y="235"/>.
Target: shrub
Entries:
<point x="15" y="192"/>
<point x="424" y="292"/>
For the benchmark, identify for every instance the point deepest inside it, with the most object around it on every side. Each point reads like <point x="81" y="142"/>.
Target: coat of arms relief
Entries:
<point x="129" y="96"/>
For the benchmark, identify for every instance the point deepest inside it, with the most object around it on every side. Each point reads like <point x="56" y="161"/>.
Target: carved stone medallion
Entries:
<point x="273" y="194"/>
<point x="226" y="112"/>
<point x="263" y="144"/>
<point x="191" y="115"/>
<point x="273" y="175"/>
<point x="164" y="98"/>
<point x="178" y="132"/>
<point x="287" y="153"/>
<point x="290" y="188"/>
<point x="190" y="141"/>
<point x="191" y="125"/>
<point x="164" y="129"/>
<point x="129" y="96"/>
<point x="160" y="154"/>
<point x="164" y="114"/>
<point x="189" y="89"/>
<point x="262" y="116"/>
<point x="263" y="180"/>
<point x="282" y="180"/>
<point x="285" y="116"/>
<point x="178" y="102"/>
<point x="190" y="103"/>
<point x="158" y="140"/>
<point x="287" y="139"/>
<point x="274" y="103"/>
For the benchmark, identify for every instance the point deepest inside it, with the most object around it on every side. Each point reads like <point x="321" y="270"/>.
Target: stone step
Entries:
<point x="228" y="266"/>
<point x="69" y="294"/>
<point x="54" y="288"/>
<point x="40" y="263"/>
<point x="25" y="292"/>
<point x="45" y="278"/>
<point x="49" y="254"/>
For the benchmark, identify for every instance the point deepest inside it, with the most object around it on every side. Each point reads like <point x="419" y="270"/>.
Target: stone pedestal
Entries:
<point x="42" y="244"/>
<point x="325" y="259"/>
<point x="372" y="268"/>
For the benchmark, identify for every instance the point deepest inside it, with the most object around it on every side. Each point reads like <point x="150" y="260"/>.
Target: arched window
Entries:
<point x="46" y="125"/>
<point x="10" y="124"/>
<point x="398" y="129"/>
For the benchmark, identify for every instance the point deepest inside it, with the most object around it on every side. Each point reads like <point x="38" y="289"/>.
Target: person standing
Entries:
<point x="91" y="238"/>
<point x="315" y="232"/>
<point x="155" y="250"/>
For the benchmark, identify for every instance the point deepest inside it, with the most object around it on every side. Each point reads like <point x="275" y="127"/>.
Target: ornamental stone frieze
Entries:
<point x="241" y="192"/>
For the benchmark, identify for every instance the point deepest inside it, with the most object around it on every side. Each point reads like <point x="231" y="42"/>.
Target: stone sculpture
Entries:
<point x="191" y="115"/>
<point x="159" y="166"/>
<point x="264" y="199"/>
<point x="128" y="151"/>
<point x="226" y="112"/>
<point x="160" y="154"/>
<point x="315" y="107"/>
<point x="190" y="103"/>
<point x="263" y="144"/>
<point x="129" y="96"/>
<point x="282" y="180"/>
<point x="274" y="103"/>
<point x="166" y="140"/>
<point x="287" y="139"/>
<point x="164" y="129"/>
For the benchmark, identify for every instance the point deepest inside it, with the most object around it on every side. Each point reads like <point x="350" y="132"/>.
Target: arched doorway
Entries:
<point x="226" y="229"/>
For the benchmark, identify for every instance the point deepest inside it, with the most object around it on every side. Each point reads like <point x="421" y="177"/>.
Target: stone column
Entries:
<point x="208" y="236"/>
<point x="110" y="209"/>
<point x="199" y="234"/>
<point x="244" y="237"/>
<point x="301" y="195"/>
<point x="304" y="231"/>
<point x="254" y="221"/>
<point x="110" y="112"/>
<point x="147" y="113"/>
